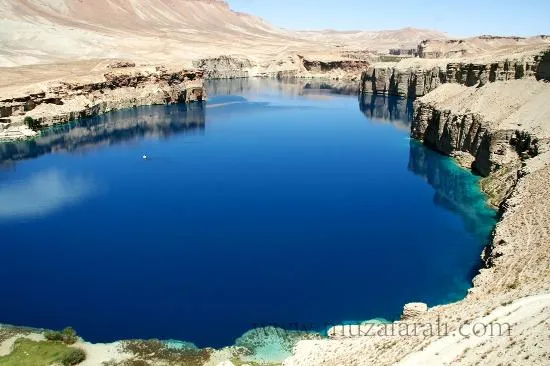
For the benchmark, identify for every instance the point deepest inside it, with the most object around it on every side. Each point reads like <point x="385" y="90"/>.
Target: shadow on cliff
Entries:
<point x="109" y="129"/>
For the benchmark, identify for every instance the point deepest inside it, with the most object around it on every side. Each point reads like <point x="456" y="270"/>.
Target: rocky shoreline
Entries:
<point x="500" y="129"/>
<point x="417" y="77"/>
<point x="118" y="86"/>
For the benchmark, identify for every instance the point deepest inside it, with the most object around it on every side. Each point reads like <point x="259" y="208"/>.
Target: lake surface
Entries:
<point x="289" y="204"/>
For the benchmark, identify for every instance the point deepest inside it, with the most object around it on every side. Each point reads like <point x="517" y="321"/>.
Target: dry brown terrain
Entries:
<point x="161" y="31"/>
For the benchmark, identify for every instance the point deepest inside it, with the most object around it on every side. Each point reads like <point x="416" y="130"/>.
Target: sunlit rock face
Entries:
<point x="415" y="78"/>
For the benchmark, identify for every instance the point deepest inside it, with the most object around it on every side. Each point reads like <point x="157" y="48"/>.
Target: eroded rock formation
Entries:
<point x="455" y="48"/>
<point x="66" y="100"/>
<point x="455" y="119"/>
<point x="224" y="67"/>
<point x="414" y="79"/>
<point x="413" y="309"/>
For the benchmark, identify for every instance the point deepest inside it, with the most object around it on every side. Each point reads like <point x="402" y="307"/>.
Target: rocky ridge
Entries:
<point x="493" y="149"/>
<point x="64" y="100"/>
<point x="454" y="119"/>
<point x="416" y="77"/>
<point x="457" y="48"/>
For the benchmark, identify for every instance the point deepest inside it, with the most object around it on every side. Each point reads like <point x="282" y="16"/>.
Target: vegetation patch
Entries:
<point x="7" y="332"/>
<point x="27" y="352"/>
<point x="67" y="335"/>
<point x="74" y="357"/>
<point x="156" y="351"/>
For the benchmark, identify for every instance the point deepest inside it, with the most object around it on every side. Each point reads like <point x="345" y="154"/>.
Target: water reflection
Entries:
<point x="395" y="110"/>
<point x="108" y="129"/>
<point x="456" y="189"/>
<point x="42" y="193"/>
<point x="287" y="87"/>
<point x="163" y="121"/>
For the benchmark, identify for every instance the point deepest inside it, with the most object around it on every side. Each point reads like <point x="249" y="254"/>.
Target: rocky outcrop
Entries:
<point x="347" y="66"/>
<point x="385" y="80"/>
<point x="403" y="79"/>
<point x="224" y="67"/>
<point x="456" y="120"/>
<point x="413" y="309"/>
<point x="493" y="150"/>
<point x="543" y="67"/>
<point x="324" y="66"/>
<point x="456" y="48"/>
<point x="67" y="100"/>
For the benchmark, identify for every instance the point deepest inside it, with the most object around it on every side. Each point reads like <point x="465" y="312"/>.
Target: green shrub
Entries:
<point x="67" y="335"/>
<point x="52" y="335"/>
<point x="32" y="124"/>
<point x="74" y="357"/>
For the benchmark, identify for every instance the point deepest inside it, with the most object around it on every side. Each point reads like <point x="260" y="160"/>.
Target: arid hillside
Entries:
<point x="38" y="31"/>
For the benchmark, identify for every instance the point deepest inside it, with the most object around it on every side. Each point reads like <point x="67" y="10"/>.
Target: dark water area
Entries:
<point x="292" y="204"/>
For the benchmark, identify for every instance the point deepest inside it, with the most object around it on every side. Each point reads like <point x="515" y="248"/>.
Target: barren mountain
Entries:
<point x="37" y="31"/>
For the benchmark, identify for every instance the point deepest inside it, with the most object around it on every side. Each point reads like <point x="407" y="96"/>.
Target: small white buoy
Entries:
<point x="145" y="157"/>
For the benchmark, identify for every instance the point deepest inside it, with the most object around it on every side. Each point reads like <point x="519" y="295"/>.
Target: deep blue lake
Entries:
<point x="272" y="203"/>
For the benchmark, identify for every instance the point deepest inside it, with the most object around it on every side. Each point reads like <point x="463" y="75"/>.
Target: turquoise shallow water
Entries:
<point x="285" y="204"/>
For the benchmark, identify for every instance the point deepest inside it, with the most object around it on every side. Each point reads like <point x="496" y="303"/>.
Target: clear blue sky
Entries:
<point x="458" y="18"/>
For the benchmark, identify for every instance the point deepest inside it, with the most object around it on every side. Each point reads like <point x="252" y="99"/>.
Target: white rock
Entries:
<point x="413" y="309"/>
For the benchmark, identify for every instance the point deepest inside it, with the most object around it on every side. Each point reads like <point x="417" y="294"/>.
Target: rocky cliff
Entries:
<point x="224" y="67"/>
<point x="345" y="65"/>
<point x="415" y="78"/>
<point x="62" y="101"/>
<point x="455" y="120"/>
<point x="456" y="48"/>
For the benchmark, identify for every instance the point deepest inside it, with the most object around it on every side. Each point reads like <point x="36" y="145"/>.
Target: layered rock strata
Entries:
<point x="345" y="66"/>
<point x="65" y="100"/>
<point x="415" y="78"/>
<point x="451" y="48"/>
<point x="224" y="67"/>
<point x="455" y="118"/>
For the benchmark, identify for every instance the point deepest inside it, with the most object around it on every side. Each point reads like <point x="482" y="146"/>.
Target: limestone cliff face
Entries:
<point x="450" y="121"/>
<point x="325" y="66"/>
<point x="406" y="83"/>
<point x="346" y="66"/>
<point x="416" y="81"/>
<point x="64" y="101"/>
<point x="455" y="48"/>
